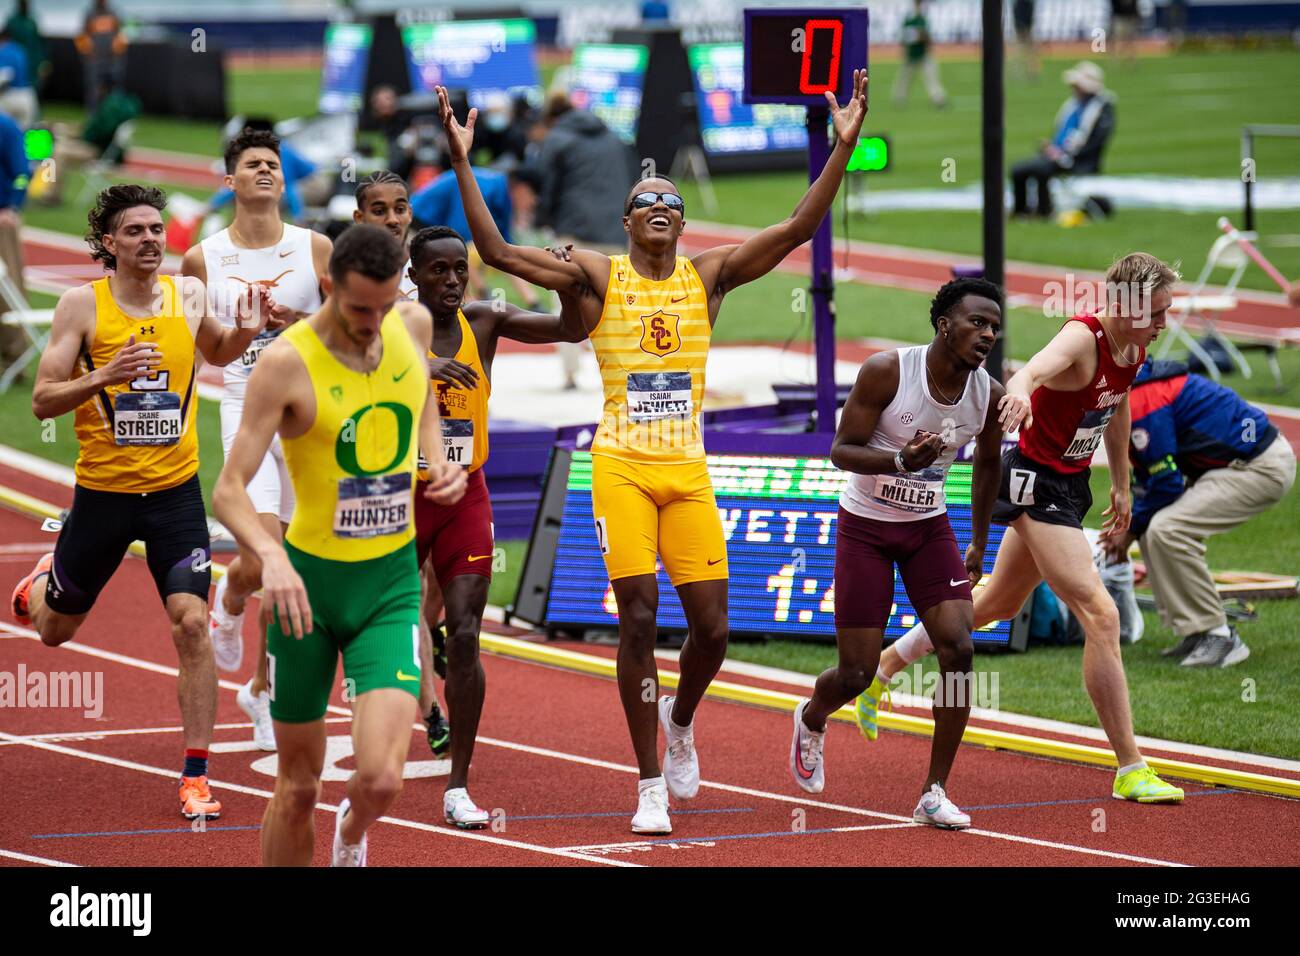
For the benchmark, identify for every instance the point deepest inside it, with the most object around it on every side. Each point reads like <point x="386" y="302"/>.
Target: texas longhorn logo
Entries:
<point x="659" y="333"/>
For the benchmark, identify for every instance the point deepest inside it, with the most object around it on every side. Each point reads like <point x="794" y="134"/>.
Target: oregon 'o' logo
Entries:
<point x="345" y="445"/>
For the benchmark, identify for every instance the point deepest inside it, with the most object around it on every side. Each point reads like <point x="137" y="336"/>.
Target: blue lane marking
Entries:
<point x="100" y="833"/>
<point x="900" y="825"/>
<point x="1093" y="800"/>
<point x="618" y="813"/>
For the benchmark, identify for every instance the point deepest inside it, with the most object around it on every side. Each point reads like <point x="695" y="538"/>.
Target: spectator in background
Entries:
<point x="1124" y="28"/>
<point x="394" y="124"/>
<point x="918" y="56"/>
<point x="439" y="204"/>
<point x="15" y="173"/>
<point x="17" y="97"/>
<point x="1022" y="12"/>
<point x="96" y="140"/>
<point x="22" y="27"/>
<point x="101" y="45"/>
<point x="654" y="11"/>
<point x="1204" y="462"/>
<point x="586" y="173"/>
<point x="1083" y="126"/>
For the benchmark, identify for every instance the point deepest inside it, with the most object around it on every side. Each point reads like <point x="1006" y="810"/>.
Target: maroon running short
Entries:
<point x="866" y="551"/>
<point x="459" y="536"/>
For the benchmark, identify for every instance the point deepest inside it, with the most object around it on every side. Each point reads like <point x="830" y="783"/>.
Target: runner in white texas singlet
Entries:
<point x="289" y="261"/>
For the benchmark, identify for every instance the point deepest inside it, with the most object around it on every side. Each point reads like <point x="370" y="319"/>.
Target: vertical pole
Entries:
<point x="1248" y="177"/>
<point x="994" y="162"/>
<point x="823" y="277"/>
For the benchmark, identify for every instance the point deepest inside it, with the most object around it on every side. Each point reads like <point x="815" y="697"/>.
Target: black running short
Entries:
<point x="101" y="526"/>
<point x="1043" y="493"/>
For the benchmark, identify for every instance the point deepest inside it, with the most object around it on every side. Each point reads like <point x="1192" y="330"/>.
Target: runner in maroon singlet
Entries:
<point x="1071" y="397"/>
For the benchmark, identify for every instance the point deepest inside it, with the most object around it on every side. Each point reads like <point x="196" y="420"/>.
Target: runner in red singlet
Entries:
<point x="1071" y="397"/>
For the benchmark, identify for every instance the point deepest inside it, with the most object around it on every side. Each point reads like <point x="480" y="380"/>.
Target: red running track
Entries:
<point x="553" y="766"/>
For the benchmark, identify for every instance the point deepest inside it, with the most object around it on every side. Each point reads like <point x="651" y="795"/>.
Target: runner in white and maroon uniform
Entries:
<point x="908" y="415"/>
<point x="1072" y="396"/>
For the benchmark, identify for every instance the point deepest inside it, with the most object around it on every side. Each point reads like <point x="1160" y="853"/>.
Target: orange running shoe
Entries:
<point x="196" y="799"/>
<point x="23" y="592"/>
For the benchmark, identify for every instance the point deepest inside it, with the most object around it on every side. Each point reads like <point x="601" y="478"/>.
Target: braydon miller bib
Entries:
<point x="654" y="396"/>
<point x="369" y="507"/>
<point x="909" y="494"/>
<point x="146" y="418"/>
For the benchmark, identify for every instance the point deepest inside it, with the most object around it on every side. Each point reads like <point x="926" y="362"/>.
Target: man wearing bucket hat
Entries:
<point x="1083" y="126"/>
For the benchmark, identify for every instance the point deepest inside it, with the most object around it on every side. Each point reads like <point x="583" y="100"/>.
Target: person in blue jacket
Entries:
<point x="1204" y="462"/>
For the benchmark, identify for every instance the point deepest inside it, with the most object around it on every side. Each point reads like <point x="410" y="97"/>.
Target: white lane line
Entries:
<point x="666" y="841"/>
<point x="1006" y="718"/>
<point x="330" y="807"/>
<point x="28" y="858"/>
<point x="76" y="735"/>
<point x="593" y="762"/>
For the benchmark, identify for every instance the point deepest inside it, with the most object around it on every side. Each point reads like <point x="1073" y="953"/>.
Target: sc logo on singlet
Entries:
<point x="659" y="334"/>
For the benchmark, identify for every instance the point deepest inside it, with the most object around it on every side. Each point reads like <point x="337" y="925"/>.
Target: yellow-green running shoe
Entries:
<point x="1144" y="786"/>
<point x="867" y="706"/>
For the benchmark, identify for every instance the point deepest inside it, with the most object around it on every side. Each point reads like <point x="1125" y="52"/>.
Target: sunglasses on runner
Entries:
<point x="646" y="200"/>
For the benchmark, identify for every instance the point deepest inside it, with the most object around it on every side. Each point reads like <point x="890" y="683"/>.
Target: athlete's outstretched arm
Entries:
<point x="1070" y="345"/>
<point x="1116" y="436"/>
<point x="724" y="268"/>
<point x="874" y="389"/>
<point x="53" y="394"/>
<point x="585" y="269"/>
<point x="268" y="397"/>
<point x="220" y="345"/>
<point x="985" y="483"/>
<point x="539" y="328"/>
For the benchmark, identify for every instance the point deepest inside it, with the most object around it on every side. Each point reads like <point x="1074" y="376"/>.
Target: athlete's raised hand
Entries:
<point x="453" y="372"/>
<point x="922" y="451"/>
<point x="134" y="360"/>
<point x="446" y="483"/>
<point x="459" y="138"/>
<point x="283" y="593"/>
<point x="1012" y="410"/>
<point x="847" y="120"/>
<point x="1116" y="518"/>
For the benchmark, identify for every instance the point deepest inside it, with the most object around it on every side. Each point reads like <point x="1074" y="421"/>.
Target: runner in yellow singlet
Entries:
<point x="347" y="391"/>
<point x="122" y="354"/>
<point x="650" y="316"/>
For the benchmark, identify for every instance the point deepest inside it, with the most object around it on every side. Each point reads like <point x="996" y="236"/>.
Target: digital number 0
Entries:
<point x="837" y="34"/>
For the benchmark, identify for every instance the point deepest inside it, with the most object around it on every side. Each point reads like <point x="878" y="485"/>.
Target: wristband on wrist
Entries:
<point x="898" y="461"/>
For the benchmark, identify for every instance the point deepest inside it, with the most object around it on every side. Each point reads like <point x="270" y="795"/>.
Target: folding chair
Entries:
<point x="35" y="324"/>
<point x="98" y="171"/>
<point x="1203" y="306"/>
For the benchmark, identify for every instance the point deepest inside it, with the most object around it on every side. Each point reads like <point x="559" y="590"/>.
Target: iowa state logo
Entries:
<point x="659" y="333"/>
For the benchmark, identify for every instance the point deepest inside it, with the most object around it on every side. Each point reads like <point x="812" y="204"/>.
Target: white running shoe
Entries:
<point x="258" y="710"/>
<point x="806" y="763"/>
<point x="461" y="811"/>
<point x="936" y="810"/>
<point x="345" y="855"/>
<point x="652" y="808"/>
<point x="681" y="762"/>
<point x="226" y="630"/>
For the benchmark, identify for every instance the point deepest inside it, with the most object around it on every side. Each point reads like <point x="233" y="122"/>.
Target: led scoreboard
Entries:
<point x="343" y="67"/>
<point x="779" y="519"/>
<point x="490" y="59"/>
<point x="796" y="56"/>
